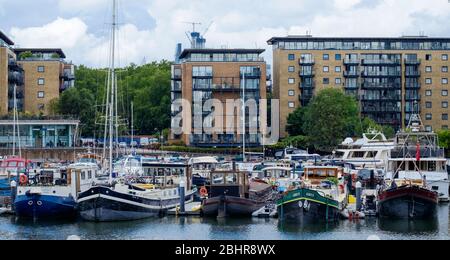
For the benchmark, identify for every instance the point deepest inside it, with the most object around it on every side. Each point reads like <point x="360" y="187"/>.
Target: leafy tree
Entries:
<point x="330" y="117"/>
<point x="444" y="139"/>
<point x="295" y="122"/>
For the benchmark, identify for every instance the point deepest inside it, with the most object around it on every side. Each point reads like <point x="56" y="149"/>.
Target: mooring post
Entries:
<point x="358" y="196"/>
<point x="182" y="193"/>
<point x="13" y="194"/>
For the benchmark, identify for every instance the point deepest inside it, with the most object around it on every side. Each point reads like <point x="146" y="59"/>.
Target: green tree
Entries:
<point x="444" y="139"/>
<point x="296" y="121"/>
<point x="330" y="117"/>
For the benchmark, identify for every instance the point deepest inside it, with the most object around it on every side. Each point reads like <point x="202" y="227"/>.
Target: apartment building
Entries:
<point x="11" y="77"/>
<point x="391" y="77"/>
<point x="47" y="74"/>
<point x="221" y="74"/>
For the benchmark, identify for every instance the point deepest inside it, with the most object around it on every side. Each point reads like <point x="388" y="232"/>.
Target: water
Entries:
<point x="171" y="228"/>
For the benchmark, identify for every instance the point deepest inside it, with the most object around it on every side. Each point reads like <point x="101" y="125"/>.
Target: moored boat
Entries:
<point x="233" y="194"/>
<point x="319" y="198"/>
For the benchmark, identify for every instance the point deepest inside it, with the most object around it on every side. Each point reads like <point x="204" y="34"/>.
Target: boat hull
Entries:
<point x="45" y="207"/>
<point x="408" y="203"/>
<point x="102" y="204"/>
<point x="306" y="206"/>
<point x="228" y="206"/>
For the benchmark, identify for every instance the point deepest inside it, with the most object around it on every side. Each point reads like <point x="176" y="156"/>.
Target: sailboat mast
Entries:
<point x="132" y="125"/>
<point x="14" y="121"/>
<point x="244" y="159"/>
<point x="113" y="86"/>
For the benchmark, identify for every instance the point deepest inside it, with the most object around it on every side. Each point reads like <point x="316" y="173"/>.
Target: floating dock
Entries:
<point x="6" y="211"/>
<point x="191" y="209"/>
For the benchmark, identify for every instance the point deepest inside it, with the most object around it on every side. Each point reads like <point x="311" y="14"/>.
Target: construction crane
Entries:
<point x="207" y="28"/>
<point x="193" y="25"/>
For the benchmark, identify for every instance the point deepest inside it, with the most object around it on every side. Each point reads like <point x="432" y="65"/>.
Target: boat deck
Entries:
<point x="191" y="209"/>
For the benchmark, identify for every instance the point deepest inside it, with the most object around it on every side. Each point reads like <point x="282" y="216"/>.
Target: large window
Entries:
<point x="41" y="94"/>
<point x="41" y="81"/>
<point x="202" y="71"/>
<point x="291" y="57"/>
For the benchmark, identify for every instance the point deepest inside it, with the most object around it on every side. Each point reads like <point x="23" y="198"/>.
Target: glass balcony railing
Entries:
<point x="306" y="61"/>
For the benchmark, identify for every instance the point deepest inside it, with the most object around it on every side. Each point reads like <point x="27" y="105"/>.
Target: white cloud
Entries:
<point x="237" y="23"/>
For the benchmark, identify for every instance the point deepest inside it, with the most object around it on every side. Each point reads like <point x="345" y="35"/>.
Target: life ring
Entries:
<point x="203" y="192"/>
<point x="23" y="179"/>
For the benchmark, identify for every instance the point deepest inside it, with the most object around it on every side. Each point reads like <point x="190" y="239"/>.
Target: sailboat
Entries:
<point x="121" y="200"/>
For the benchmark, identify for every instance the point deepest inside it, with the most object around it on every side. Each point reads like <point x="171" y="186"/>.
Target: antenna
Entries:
<point x="193" y="25"/>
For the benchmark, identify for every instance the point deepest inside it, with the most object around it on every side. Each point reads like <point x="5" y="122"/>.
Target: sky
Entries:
<point x="150" y="29"/>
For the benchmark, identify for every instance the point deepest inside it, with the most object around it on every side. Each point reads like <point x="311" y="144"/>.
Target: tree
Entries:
<point x="295" y="122"/>
<point x="368" y="123"/>
<point x="444" y="139"/>
<point x="329" y="118"/>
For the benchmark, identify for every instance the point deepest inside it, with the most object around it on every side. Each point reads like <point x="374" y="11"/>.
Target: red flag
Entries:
<point x="418" y="152"/>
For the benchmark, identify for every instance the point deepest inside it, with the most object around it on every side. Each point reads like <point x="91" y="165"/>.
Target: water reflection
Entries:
<point x="409" y="226"/>
<point x="287" y="227"/>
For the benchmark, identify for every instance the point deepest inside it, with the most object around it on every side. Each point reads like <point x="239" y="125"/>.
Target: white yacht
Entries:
<point x="202" y="166"/>
<point x="129" y="166"/>
<point x="418" y="159"/>
<point x="295" y="154"/>
<point x="370" y="152"/>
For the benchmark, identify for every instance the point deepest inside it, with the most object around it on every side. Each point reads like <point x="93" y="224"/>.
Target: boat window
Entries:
<point x="89" y="174"/>
<point x="371" y="154"/>
<point x="322" y="173"/>
<point x="218" y="179"/>
<point x="83" y="175"/>
<point x="435" y="188"/>
<point x="331" y="173"/>
<point x="357" y="155"/>
<point x="432" y="166"/>
<point x="232" y="178"/>
<point x="12" y="164"/>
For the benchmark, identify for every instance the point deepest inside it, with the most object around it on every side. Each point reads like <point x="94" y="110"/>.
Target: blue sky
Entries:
<point x="150" y="29"/>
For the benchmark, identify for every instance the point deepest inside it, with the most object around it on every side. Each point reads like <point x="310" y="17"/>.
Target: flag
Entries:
<point x="418" y="152"/>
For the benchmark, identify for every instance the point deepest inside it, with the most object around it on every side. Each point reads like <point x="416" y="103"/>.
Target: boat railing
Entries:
<point x="412" y="152"/>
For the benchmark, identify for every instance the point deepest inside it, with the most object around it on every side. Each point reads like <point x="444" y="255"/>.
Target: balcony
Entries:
<point x="232" y="141"/>
<point x="307" y="85"/>
<point x="413" y="97"/>
<point x="381" y="74"/>
<point x="13" y="65"/>
<point x="202" y="76"/>
<point x="374" y="109"/>
<point x="64" y="86"/>
<point x="306" y="74"/>
<point x="412" y="74"/>
<point x="252" y="75"/>
<point x="413" y="86"/>
<point x="413" y="61"/>
<point x="351" y="74"/>
<point x="176" y="76"/>
<point x="369" y="85"/>
<point x="306" y="62"/>
<point x="351" y="61"/>
<point x="16" y="77"/>
<point x="68" y="75"/>
<point x="379" y="98"/>
<point x="387" y="62"/>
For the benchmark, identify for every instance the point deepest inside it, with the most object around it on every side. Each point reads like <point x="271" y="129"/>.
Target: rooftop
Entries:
<point x="186" y="52"/>
<point x="41" y="50"/>
<point x="310" y="37"/>
<point x="6" y="38"/>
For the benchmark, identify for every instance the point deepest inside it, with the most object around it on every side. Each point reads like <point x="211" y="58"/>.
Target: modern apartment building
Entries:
<point x="47" y="74"/>
<point x="11" y="77"/>
<point x="221" y="74"/>
<point x="391" y="77"/>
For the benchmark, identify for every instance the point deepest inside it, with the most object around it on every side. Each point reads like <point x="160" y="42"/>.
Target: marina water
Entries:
<point x="195" y="228"/>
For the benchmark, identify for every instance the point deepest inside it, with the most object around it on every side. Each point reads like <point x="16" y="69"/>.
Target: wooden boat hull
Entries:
<point x="306" y="206"/>
<point x="228" y="206"/>
<point x="102" y="204"/>
<point x="408" y="203"/>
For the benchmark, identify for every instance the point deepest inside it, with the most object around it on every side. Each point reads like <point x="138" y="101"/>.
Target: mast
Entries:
<point x="112" y="102"/>
<point x="132" y="126"/>
<point x="243" y="116"/>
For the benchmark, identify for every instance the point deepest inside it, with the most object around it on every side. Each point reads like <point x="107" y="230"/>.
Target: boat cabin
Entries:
<point x="316" y="175"/>
<point x="163" y="175"/>
<point x="11" y="166"/>
<point x="231" y="183"/>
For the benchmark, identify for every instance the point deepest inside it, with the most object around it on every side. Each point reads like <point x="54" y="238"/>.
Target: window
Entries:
<point x="291" y="69"/>
<point x="291" y="93"/>
<point x="326" y="69"/>
<point x="338" y="57"/>
<point x="428" y="117"/>
<point x="428" y="128"/>
<point x="291" y="105"/>
<point x="428" y="57"/>
<point x="428" y="93"/>
<point x="326" y="57"/>
<point x="445" y="127"/>
<point x="326" y="81"/>
<point x="444" y="81"/>
<point x="41" y="69"/>
<point x="444" y="93"/>
<point x="444" y="69"/>
<point x="445" y="117"/>
<point x="428" y="69"/>
<point x="291" y="81"/>
<point x="428" y="81"/>
<point x="41" y="94"/>
<point x="41" y="81"/>
<point x="444" y="57"/>
<point x="291" y="57"/>
<point x="41" y="107"/>
<point x="444" y="104"/>
<point x="338" y="69"/>
<point x="338" y="81"/>
<point x="429" y="104"/>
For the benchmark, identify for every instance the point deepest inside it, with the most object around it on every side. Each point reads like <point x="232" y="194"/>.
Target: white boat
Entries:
<point x="294" y="154"/>
<point x="417" y="158"/>
<point x="202" y="166"/>
<point x="369" y="152"/>
<point x="129" y="166"/>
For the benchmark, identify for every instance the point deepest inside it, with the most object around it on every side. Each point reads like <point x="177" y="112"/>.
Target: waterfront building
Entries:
<point x="47" y="75"/>
<point x="390" y="77"/>
<point x="204" y="74"/>
<point x="11" y="74"/>
<point x="40" y="133"/>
